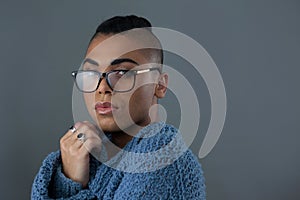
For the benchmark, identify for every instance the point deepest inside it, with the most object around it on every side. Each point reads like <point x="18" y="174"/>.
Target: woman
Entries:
<point x="126" y="152"/>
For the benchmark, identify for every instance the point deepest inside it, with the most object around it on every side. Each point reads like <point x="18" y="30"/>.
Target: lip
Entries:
<point x="104" y="108"/>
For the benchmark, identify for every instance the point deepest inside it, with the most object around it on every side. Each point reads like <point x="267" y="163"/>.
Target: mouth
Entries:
<point x="104" y="108"/>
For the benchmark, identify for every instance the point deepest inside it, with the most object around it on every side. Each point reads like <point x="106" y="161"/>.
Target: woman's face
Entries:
<point x="115" y="111"/>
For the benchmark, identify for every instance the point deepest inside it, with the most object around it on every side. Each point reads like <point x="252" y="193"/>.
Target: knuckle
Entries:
<point x="92" y="144"/>
<point x="73" y="151"/>
<point x="78" y="125"/>
<point x="82" y="153"/>
<point x="62" y="141"/>
<point x="88" y="144"/>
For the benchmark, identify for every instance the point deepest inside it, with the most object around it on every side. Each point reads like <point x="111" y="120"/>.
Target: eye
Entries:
<point x="121" y="72"/>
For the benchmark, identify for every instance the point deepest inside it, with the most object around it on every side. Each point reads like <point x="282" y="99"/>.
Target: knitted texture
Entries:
<point x="155" y="164"/>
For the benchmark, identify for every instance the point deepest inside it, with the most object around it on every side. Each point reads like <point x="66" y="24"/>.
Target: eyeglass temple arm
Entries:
<point x="147" y="70"/>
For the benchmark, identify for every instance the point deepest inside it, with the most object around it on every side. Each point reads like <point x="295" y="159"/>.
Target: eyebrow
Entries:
<point x="122" y="60"/>
<point x="91" y="61"/>
<point x="114" y="62"/>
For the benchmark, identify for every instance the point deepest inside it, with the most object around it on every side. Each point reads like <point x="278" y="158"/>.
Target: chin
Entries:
<point x="107" y="124"/>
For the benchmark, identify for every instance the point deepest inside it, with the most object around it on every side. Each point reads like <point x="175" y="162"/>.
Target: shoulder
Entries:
<point x="192" y="182"/>
<point x="189" y="163"/>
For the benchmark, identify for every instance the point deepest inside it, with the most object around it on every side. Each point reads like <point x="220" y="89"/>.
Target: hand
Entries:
<point x="75" y="152"/>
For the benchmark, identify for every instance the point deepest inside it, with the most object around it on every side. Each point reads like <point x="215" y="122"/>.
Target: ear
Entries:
<point x="162" y="86"/>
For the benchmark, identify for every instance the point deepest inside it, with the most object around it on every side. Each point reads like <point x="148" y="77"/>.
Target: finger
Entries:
<point x="72" y="145"/>
<point x="94" y="128"/>
<point x="71" y="131"/>
<point x="70" y="138"/>
<point x="89" y="130"/>
<point x="74" y="150"/>
<point x="93" y="145"/>
<point x="82" y="128"/>
<point x="92" y="142"/>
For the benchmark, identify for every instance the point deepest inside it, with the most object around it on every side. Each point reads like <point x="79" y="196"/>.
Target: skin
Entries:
<point x="75" y="153"/>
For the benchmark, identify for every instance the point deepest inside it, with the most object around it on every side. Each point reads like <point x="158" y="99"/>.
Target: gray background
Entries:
<point x="255" y="44"/>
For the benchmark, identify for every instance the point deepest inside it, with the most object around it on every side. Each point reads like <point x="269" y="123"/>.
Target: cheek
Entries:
<point x="141" y="101"/>
<point x="89" y="99"/>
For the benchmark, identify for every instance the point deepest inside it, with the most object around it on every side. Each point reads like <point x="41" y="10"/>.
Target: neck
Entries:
<point x="121" y="138"/>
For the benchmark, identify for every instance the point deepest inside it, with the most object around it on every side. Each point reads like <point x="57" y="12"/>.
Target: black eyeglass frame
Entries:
<point x="105" y="75"/>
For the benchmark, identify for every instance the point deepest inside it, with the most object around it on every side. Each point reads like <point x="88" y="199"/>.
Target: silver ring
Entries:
<point x="81" y="137"/>
<point x="73" y="129"/>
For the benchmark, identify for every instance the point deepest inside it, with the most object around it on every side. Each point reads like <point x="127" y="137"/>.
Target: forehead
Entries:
<point x="105" y="48"/>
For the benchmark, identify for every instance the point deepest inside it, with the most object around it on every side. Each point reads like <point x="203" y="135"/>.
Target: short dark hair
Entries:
<point x="120" y="24"/>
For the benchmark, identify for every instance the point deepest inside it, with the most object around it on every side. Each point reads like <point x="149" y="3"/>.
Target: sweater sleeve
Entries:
<point x="192" y="179"/>
<point x="50" y="182"/>
<point x="61" y="186"/>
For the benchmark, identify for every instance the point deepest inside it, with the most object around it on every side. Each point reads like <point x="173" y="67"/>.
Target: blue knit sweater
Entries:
<point x="158" y="166"/>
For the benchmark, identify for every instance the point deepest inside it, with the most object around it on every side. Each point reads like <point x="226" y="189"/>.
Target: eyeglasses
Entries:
<point x="118" y="80"/>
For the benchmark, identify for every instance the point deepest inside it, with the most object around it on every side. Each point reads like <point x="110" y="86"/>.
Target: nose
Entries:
<point x="104" y="87"/>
